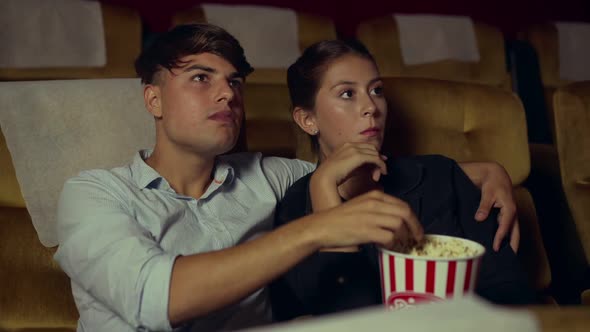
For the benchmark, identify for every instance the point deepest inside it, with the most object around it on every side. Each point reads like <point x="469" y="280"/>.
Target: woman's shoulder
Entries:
<point x="432" y="161"/>
<point x="420" y="172"/>
<point x="296" y="203"/>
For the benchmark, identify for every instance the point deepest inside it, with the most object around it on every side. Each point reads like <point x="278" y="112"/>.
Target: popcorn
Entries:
<point x="438" y="268"/>
<point x="437" y="247"/>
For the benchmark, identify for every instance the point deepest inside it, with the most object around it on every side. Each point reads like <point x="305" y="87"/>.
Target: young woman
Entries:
<point x="337" y="97"/>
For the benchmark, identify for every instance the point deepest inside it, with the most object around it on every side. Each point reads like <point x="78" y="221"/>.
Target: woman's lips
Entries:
<point x="371" y="132"/>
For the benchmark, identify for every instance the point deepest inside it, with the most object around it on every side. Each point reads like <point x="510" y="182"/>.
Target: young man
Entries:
<point x="179" y="238"/>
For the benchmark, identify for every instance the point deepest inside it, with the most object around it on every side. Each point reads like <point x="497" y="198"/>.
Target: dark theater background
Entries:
<point x="507" y="88"/>
<point x="508" y="15"/>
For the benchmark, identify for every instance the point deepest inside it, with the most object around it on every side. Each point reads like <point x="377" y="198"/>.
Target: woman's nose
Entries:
<point x="369" y="108"/>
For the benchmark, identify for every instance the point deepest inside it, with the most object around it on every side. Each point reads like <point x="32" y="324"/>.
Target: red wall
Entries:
<point x="509" y="15"/>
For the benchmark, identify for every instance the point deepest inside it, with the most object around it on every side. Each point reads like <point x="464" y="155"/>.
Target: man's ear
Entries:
<point x="305" y="119"/>
<point x="152" y="97"/>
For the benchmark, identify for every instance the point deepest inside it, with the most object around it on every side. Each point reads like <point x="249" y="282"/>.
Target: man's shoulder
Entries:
<point x="243" y="164"/>
<point x="102" y="179"/>
<point x="251" y="161"/>
<point x="240" y="157"/>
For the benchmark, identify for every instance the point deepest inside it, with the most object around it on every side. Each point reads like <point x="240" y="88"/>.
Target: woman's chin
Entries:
<point x="377" y="142"/>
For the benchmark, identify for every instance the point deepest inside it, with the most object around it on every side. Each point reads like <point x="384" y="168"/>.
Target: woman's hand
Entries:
<point x="341" y="164"/>
<point x="496" y="191"/>
<point x="338" y="167"/>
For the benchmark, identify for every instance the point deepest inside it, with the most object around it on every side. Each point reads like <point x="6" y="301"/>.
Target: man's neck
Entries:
<point x="187" y="173"/>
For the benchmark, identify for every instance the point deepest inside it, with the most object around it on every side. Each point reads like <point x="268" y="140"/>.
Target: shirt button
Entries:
<point x="341" y="280"/>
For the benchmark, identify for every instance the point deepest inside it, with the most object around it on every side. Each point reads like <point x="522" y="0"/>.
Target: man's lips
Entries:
<point x="371" y="132"/>
<point x="223" y="116"/>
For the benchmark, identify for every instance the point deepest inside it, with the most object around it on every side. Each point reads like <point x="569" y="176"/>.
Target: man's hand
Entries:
<point x="374" y="217"/>
<point x="496" y="191"/>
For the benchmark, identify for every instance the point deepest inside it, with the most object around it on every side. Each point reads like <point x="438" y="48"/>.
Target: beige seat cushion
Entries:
<point x="311" y="29"/>
<point x="123" y="44"/>
<point x="36" y="295"/>
<point x="532" y="250"/>
<point x="10" y="194"/>
<point x="544" y="39"/>
<point x="381" y="36"/>
<point x="572" y="120"/>
<point x="269" y="125"/>
<point x="586" y="297"/>
<point x="466" y="122"/>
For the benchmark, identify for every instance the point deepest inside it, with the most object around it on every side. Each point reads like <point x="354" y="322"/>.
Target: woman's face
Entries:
<point x="349" y="105"/>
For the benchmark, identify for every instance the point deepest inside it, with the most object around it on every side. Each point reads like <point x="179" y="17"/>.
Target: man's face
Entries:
<point x="201" y="105"/>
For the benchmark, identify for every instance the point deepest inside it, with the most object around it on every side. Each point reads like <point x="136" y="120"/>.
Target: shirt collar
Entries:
<point x="143" y="174"/>
<point x="147" y="177"/>
<point x="223" y="175"/>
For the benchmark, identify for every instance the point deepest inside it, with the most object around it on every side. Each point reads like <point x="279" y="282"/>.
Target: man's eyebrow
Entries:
<point x="199" y="67"/>
<point x="235" y="75"/>
<point x="211" y="70"/>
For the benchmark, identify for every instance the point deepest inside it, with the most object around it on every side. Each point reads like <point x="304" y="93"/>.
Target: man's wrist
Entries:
<point x="311" y="238"/>
<point x="477" y="172"/>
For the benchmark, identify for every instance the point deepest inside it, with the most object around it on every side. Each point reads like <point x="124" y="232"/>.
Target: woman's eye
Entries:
<point x="346" y="94"/>
<point x="377" y="91"/>
<point x="200" y="78"/>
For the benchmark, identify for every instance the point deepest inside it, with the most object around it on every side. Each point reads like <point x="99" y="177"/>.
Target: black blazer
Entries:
<point x="445" y="201"/>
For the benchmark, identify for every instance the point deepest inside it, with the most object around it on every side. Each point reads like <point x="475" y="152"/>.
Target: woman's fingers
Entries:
<point x="362" y="153"/>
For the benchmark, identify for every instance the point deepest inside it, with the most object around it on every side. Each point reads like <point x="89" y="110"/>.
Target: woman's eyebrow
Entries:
<point x="342" y="83"/>
<point x="376" y="79"/>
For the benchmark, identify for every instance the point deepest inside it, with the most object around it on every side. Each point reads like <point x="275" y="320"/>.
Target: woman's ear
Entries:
<point x="305" y="119"/>
<point x="153" y="100"/>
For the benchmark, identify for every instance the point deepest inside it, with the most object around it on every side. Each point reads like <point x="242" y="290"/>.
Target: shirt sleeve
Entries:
<point x="108" y="254"/>
<point x="281" y="173"/>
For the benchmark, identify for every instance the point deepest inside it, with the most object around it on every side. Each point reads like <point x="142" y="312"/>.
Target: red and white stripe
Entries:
<point x="444" y="279"/>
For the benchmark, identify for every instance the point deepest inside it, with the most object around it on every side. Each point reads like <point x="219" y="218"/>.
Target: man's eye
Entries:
<point x="346" y="94"/>
<point x="235" y="83"/>
<point x="377" y="91"/>
<point x="200" y="78"/>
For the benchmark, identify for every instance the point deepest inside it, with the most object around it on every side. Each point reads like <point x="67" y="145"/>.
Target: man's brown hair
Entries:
<point x="167" y="50"/>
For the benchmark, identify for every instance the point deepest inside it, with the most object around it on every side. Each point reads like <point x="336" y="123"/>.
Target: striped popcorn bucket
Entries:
<point x="410" y="280"/>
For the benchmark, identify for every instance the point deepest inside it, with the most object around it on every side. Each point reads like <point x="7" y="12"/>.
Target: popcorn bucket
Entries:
<point x="408" y="280"/>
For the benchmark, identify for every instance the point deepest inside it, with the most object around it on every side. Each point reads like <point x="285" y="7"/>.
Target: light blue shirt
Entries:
<point x="120" y="231"/>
